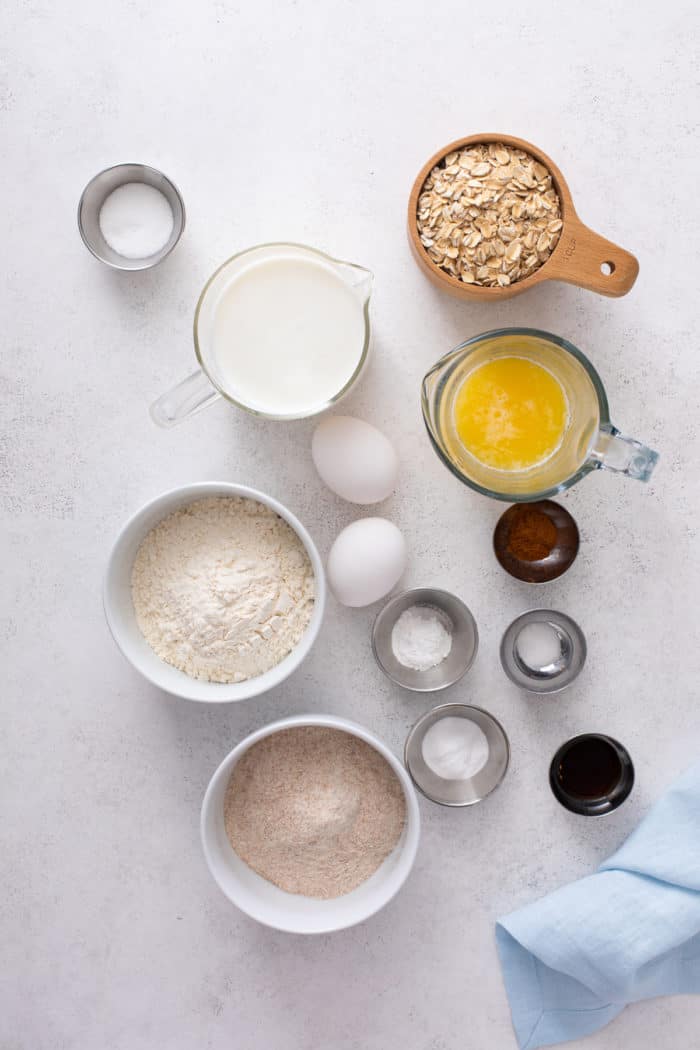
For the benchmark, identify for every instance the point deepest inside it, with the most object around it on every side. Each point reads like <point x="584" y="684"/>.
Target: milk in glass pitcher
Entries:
<point x="281" y="330"/>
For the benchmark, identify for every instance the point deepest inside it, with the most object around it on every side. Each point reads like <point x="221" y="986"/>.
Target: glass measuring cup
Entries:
<point x="590" y="441"/>
<point x="212" y="380"/>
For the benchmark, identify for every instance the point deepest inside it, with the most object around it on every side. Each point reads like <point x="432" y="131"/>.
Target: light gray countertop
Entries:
<point x="308" y="122"/>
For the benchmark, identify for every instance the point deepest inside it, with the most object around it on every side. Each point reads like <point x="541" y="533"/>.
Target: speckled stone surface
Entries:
<point x="308" y="122"/>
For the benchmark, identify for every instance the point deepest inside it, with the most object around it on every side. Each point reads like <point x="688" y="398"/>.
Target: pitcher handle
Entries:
<point x="184" y="400"/>
<point x="623" y="455"/>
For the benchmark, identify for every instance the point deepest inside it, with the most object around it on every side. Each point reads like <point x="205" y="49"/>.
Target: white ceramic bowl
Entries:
<point x="119" y="608"/>
<point x="292" y="912"/>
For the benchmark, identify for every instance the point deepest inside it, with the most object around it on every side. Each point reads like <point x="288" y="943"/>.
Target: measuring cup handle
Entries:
<point x="623" y="455"/>
<point x="590" y="261"/>
<point x="184" y="400"/>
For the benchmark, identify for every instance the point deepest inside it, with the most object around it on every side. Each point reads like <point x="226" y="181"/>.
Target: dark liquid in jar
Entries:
<point x="590" y="769"/>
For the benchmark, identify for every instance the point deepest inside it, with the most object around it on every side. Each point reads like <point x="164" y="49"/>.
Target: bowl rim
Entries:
<point x="418" y="591"/>
<point x="408" y="850"/>
<point x="200" y="490"/>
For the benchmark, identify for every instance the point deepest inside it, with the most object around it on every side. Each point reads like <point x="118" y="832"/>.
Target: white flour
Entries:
<point x="223" y="589"/>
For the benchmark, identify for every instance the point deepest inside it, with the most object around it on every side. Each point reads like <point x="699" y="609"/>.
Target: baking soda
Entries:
<point x="455" y="748"/>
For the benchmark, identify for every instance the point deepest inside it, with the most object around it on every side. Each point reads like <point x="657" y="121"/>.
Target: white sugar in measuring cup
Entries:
<point x="281" y="330"/>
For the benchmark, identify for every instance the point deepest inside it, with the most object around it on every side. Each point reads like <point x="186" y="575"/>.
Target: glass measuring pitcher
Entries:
<point x="588" y="442"/>
<point x="281" y="330"/>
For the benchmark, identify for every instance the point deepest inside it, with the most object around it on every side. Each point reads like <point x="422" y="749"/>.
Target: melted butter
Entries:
<point x="511" y="413"/>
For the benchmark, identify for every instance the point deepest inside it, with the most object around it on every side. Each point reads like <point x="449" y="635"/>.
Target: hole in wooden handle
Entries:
<point x="584" y="258"/>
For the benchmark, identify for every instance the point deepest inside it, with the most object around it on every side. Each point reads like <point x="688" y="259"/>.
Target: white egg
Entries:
<point x="354" y="459"/>
<point x="366" y="561"/>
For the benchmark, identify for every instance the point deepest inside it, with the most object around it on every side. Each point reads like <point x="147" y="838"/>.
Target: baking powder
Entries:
<point x="420" y="639"/>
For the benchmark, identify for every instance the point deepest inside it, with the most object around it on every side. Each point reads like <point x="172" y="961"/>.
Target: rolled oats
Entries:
<point x="489" y="215"/>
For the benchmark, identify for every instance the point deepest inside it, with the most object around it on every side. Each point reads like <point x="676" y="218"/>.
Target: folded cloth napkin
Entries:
<point x="572" y="961"/>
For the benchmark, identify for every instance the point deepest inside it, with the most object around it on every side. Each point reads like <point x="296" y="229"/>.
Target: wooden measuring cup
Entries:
<point x="580" y="257"/>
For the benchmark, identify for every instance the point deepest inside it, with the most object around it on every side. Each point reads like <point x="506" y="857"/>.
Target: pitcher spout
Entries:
<point x="356" y="277"/>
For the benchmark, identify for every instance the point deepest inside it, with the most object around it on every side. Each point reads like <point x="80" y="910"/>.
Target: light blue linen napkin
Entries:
<point x="572" y="961"/>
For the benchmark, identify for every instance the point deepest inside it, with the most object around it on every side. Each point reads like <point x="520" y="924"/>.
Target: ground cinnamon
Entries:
<point x="532" y="536"/>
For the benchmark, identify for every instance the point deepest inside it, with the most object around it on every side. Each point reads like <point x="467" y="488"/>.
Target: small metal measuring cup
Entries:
<point x="457" y="619"/>
<point x="474" y="788"/>
<point x="96" y="193"/>
<point x="552" y="677"/>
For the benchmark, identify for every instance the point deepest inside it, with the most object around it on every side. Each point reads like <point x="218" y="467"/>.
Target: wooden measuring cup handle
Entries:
<point x="585" y="258"/>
